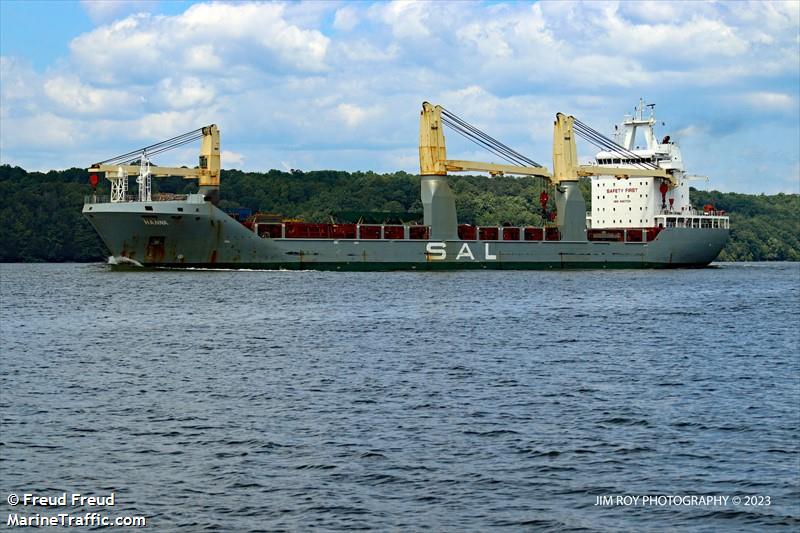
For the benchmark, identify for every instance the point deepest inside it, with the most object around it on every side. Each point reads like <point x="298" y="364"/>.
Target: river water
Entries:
<point x="455" y="401"/>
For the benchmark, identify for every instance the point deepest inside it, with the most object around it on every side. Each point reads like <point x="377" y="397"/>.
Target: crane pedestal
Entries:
<point x="570" y="211"/>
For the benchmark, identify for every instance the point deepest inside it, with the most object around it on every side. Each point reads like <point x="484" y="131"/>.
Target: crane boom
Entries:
<point x="433" y="151"/>
<point x="433" y="155"/>
<point x="207" y="172"/>
<point x="565" y="158"/>
<point x="438" y="201"/>
<point x="455" y="165"/>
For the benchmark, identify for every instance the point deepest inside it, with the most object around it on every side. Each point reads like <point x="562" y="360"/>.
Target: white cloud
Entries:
<point x="689" y="131"/>
<point x="155" y="127"/>
<point x="73" y="96"/>
<point x="207" y="37"/>
<point x="408" y="19"/>
<point x="101" y="11"/>
<point x="116" y="52"/>
<point x="346" y="18"/>
<point x="202" y="57"/>
<point x="361" y="50"/>
<point x="488" y="39"/>
<point x="769" y="101"/>
<point x="189" y="92"/>
<point x="231" y="159"/>
<point x="695" y="39"/>
<point x="339" y="85"/>
<point x="19" y="82"/>
<point x="653" y="11"/>
<point x="353" y="115"/>
<point x="45" y="131"/>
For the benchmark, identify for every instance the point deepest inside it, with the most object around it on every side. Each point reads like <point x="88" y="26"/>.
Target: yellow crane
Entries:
<point x="206" y="173"/>
<point x="437" y="198"/>
<point x="433" y="155"/>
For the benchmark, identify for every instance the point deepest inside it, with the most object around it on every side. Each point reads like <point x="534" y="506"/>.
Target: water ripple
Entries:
<point x="285" y="401"/>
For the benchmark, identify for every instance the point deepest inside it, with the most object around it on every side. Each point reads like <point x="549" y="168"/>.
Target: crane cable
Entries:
<point x="483" y="144"/>
<point x="480" y="138"/>
<point x="604" y="143"/>
<point x="153" y="149"/>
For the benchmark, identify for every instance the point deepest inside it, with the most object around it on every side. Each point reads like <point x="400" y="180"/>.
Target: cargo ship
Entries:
<point x="641" y="215"/>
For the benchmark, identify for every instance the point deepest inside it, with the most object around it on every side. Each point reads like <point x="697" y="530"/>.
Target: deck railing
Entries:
<point x="156" y="197"/>
<point x="702" y="221"/>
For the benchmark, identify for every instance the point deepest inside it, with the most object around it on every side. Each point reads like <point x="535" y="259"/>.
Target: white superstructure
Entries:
<point x="642" y="202"/>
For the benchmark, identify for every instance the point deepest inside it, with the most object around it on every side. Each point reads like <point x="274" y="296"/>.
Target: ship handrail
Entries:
<point x="697" y="221"/>
<point x="130" y="198"/>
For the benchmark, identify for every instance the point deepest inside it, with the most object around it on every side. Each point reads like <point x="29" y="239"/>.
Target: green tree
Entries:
<point x="41" y="220"/>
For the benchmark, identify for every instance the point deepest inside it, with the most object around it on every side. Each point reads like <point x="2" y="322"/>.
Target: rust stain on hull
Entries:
<point x="155" y="250"/>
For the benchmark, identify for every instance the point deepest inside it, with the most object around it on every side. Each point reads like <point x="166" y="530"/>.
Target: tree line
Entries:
<point x="41" y="220"/>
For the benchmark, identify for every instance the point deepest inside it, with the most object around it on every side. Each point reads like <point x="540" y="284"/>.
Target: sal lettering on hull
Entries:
<point x="465" y="252"/>
<point x="437" y="251"/>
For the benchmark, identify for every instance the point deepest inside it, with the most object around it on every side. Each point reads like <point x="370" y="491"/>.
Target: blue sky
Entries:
<point x="338" y="85"/>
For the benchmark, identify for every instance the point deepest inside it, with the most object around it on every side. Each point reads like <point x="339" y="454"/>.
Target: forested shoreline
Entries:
<point x="41" y="221"/>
